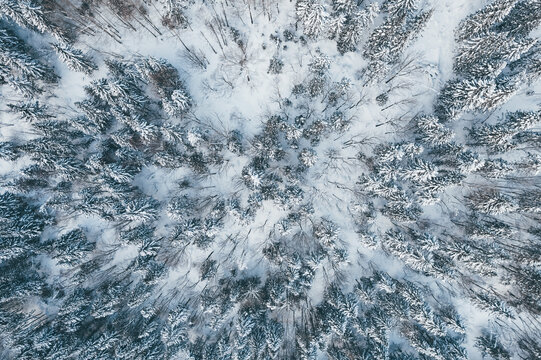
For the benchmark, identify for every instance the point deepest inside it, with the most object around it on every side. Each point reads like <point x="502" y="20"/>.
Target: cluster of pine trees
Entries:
<point x="133" y="228"/>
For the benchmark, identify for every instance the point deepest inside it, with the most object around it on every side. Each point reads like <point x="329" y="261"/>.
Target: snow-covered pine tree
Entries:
<point x="501" y="137"/>
<point x="74" y="58"/>
<point x="487" y="54"/>
<point x="491" y="202"/>
<point x="490" y="345"/>
<point x="459" y="96"/>
<point x="483" y="19"/>
<point x="399" y="8"/>
<point x="522" y="19"/>
<point x="31" y="111"/>
<point x="313" y="16"/>
<point x="431" y="131"/>
<point x="387" y="42"/>
<point x="351" y="31"/>
<point x="18" y="60"/>
<point x="178" y="104"/>
<point x="30" y="14"/>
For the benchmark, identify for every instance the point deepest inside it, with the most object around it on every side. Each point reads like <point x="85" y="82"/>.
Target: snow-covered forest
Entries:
<point x="270" y="179"/>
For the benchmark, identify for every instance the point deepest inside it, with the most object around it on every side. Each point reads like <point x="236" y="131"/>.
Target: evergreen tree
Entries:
<point x="313" y="16"/>
<point x="349" y="31"/>
<point x="74" y="58"/>
<point x="432" y="131"/>
<point x="490" y="345"/>
<point x="399" y="7"/>
<point x="19" y="67"/>
<point x="480" y="21"/>
<point x="521" y="19"/>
